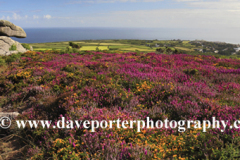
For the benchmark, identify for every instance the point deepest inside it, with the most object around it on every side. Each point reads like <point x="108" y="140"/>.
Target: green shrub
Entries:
<point x="230" y="151"/>
<point x="2" y="61"/>
<point x="69" y="48"/>
<point x="56" y="88"/>
<point x="97" y="49"/>
<point x="13" y="48"/>
<point x="3" y="100"/>
<point x="26" y="46"/>
<point x="176" y="51"/>
<point x="70" y="43"/>
<point x="74" y="45"/>
<point x="113" y="49"/>
<point x="191" y="71"/>
<point x="68" y="69"/>
<point x="13" y="58"/>
<point x="75" y="50"/>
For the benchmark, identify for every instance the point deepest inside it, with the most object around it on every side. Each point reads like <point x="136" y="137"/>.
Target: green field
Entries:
<point x="184" y="49"/>
<point x="146" y="46"/>
<point x="91" y="46"/>
<point x="121" y="45"/>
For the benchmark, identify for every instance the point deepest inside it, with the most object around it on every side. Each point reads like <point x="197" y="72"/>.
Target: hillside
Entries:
<point x="146" y="46"/>
<point x="92" y="85"/>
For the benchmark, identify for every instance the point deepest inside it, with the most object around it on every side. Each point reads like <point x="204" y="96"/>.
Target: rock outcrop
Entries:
<point x="9" y="29"/>
<point x="9" y="114"/>
<point x="7" y="45"/>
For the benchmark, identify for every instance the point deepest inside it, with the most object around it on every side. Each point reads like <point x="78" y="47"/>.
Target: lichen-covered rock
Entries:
<point x="9" y="114"/>
<point x="9" y="29"/>
<point x="5" y="45"/>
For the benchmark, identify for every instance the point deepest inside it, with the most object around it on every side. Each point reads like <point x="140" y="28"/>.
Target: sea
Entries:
<point x="43" y="35"/>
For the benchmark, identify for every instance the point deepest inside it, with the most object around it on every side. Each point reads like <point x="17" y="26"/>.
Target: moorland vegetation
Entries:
<point x="113" y="84"/>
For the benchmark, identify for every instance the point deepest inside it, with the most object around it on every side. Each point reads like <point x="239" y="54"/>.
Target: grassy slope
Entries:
<point x="112" y="44"/>
<point x="128" y="46"/>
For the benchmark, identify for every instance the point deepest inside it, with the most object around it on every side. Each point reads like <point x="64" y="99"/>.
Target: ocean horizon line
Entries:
<point x="61" y="34"/>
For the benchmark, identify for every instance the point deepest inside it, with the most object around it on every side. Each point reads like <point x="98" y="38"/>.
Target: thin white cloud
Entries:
<point x="111" y="1"/>
<point x="166" y="18"/>
<point x="47" y="16"/>
<point x="187" y="0"/>
<point x="16" y="16"/>
<point x="35" y="17"/>
<point x="37" y="10"/>
<point x="63" y="17"/>
<point x="213" y="4"/>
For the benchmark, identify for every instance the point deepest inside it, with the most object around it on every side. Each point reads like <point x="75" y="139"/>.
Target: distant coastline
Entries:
<point x="44" y="35"/>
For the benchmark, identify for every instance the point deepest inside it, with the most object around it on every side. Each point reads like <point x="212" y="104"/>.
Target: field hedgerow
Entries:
<point x="125" y="86"/>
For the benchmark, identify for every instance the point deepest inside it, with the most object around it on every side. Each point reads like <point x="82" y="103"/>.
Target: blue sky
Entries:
<point x="210" y="14"/>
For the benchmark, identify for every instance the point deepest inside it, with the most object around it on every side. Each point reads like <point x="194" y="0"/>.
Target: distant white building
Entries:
<point x="199" y="50"/>
<point x="225" y="49"/>
<point x="216" y="51"/>
<point x="237" y="49"/>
